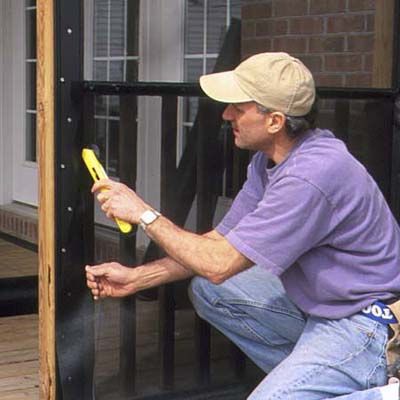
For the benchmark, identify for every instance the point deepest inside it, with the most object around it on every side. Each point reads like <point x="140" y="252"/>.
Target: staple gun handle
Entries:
<point x="97" y="172"/>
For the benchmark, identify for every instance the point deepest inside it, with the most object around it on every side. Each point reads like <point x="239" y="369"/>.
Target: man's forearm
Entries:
<point x="159" y="272"/>
<point x="209" y="255"/>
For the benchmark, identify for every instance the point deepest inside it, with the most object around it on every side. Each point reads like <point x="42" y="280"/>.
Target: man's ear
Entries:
<point x="276" y="122"/>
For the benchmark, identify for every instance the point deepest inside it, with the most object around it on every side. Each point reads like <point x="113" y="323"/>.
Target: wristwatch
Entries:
<point x="147" y="218"/>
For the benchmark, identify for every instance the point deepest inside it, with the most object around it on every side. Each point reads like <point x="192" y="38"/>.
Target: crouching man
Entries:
<point x="301" y="269"/>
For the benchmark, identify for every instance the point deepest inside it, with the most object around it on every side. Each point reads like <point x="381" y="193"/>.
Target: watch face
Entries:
<point x="148" y="217"/>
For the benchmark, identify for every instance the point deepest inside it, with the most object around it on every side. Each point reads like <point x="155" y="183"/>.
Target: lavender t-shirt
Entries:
<point x="319" y="222"/>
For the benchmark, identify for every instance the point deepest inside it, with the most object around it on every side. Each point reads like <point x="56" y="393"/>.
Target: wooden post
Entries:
<point x="383" y="44"/>
<point x="45" y="129"/>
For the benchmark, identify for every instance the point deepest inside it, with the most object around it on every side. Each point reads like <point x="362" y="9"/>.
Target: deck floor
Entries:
<point x="19" y="378"/>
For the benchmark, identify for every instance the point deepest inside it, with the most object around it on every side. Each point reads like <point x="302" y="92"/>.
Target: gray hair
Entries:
<point x="295" y="126"/>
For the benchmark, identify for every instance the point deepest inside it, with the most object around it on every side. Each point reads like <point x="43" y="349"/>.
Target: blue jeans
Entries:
<point x="306" y="358"/>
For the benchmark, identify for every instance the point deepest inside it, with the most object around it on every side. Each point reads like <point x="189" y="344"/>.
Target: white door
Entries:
<point x="18" y="108"/>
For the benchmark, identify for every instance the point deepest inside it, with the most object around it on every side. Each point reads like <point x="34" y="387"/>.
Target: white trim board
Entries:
<point x="6" y="96"/>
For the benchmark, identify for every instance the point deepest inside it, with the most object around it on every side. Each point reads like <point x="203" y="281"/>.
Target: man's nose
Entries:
<point x="227" y="115"/>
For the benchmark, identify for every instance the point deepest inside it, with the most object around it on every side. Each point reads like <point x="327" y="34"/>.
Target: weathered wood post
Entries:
<point x="45" y="129"/>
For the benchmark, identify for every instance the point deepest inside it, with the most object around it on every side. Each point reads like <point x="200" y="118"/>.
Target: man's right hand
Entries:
<point x="109" y="280"/>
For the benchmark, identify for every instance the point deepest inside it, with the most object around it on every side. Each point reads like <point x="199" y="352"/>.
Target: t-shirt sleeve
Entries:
<point x="246" y="200"/>
<point x="292" y="217"/>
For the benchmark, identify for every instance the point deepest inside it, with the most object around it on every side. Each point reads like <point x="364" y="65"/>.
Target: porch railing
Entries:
<point x="197" y="175"/>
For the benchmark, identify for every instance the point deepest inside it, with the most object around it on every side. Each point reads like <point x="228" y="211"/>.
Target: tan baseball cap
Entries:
<point x="277" y="81"/>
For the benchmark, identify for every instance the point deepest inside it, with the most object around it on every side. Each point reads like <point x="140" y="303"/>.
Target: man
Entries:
<point x="308" y="243"/>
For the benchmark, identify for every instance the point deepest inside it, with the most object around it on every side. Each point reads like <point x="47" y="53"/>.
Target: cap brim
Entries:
<point x="222" y="86"/>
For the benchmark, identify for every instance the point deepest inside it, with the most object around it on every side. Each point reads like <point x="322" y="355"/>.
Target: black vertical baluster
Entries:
<point x="203" y="222"/>
<point x="378" y="129"/>
<point x="127" y="243"/>
<point x="342" y="119"/>
<point x="395" y="181"/>
<point x="239" y="361"/>
<point x="241" y="159"/>
<point x="166" y="295"/>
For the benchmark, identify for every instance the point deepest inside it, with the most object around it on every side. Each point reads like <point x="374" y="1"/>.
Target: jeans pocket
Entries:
<point x="368" y="326"/>
<point x="370" y="343"/>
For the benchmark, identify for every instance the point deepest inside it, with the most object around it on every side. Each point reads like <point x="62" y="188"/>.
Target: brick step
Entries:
<point x="21" y="222"/>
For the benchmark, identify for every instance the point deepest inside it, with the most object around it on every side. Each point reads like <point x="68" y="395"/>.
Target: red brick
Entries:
<point x="290" y="44"/>
<point x="361" y="43"/>
<point x="272" y="27"/>
<point x="287" y="8"/>
<point x="358" y="80"/>
<point x="370" y="23"/>
<point x="254" y="46"/>
<point x="362" y="5"/>
<point x="256" y="11"/>
<point x="328" y="79"/>
<point x="306" y="25"/>
<point x="326" y="44"/>
<point x="248" y="29"/>
<point x="343" y="63"/>
<point x="368" y="62"/>
<point x="314" y="63"/>
<point x="346" y="23"/>
<point x="327" y="6"/>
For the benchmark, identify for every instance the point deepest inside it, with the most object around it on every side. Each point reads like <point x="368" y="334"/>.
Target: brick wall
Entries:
<point x="334" y="38"/>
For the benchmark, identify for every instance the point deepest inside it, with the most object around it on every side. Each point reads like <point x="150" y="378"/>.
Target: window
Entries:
<point x="30" y="74"/>
<point x="115" y="58"/>
<point x="19" y="65"/>
<point x="157" y="50"/>
<point x="30" y="68"/>
<point x="206" y="23"/>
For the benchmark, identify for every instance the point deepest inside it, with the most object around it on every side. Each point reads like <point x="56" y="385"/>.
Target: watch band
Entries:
<point x="147" y="218"/>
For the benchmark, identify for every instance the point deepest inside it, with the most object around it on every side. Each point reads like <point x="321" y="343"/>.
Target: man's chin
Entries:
<point x="241" y="145"/>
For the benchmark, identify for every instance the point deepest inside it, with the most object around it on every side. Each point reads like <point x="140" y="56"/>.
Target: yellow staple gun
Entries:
<point x="97" y="171"/>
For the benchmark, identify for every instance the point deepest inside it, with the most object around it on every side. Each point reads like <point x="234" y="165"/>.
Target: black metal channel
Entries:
<point x="143" y="88"/>
<point x="74" y="225"/>
<point x="193" y="89"/>
<point x="355" y="93"/>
